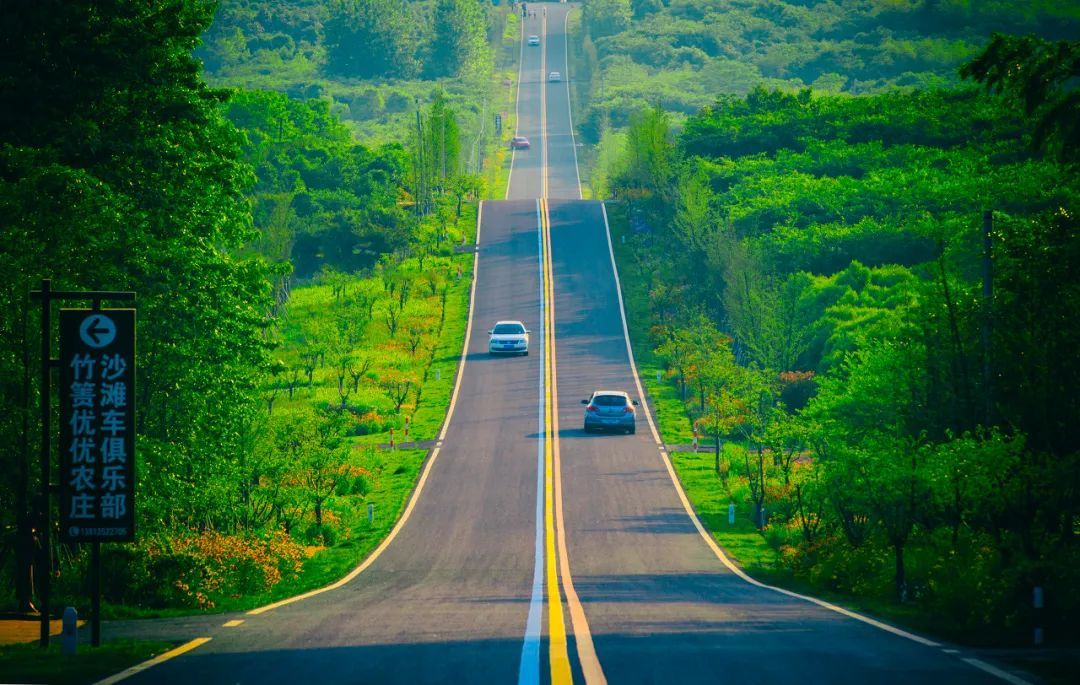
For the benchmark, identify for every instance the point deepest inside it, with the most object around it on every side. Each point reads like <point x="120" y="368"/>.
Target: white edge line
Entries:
<point x="161" y="658"/>
<point x="711" y="542"/>
<point x="427" y="467"/>
<point x="517" y="107"/>
<point x="995" y="671"/>
<point x="529" y="666"/>
<point x="569" y="107"/>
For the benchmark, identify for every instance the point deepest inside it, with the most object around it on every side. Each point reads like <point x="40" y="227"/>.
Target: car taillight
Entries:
<point x="590" y="408"/>
<point x="629" y="409"/>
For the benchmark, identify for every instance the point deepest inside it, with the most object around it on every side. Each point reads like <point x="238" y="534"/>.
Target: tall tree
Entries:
<point x="459" y="38"/>
<point x="370" y="39"/>
<point x="119" y="172"/>
<point x="1041" y="75"/>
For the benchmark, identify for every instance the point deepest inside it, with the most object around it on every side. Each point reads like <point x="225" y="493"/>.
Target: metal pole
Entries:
<point x="95" y="594"/>
<point x="45" y="562"/>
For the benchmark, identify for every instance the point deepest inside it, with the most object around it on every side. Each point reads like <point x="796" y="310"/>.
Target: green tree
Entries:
<point x="1037" y="73"/>
<point x="120" y="172"/>
<point x="459" y="38"/>
<point x="607" y="17"/>
<point x="370" y="39"/>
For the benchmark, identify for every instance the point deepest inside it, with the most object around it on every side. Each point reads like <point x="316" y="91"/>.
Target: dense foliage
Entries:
<point x="898" y="409"/>
<point x="294" y="289"/>
<point x="684" y="52"/>
<point x="350" y="38"/>
<point x="118" y="171"/>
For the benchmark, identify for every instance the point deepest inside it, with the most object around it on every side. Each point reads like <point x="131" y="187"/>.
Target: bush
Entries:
<point x="397" y="102"/>
<point x="366" y="105"/>
<point x="189" y="570"/>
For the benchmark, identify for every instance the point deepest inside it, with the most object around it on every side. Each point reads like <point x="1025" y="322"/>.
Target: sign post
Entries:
<point x="97" y="433"/>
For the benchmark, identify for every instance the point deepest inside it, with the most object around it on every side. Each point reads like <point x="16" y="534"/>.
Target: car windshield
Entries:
<point x="609" y="401"/>
<point x="508" y="329"/>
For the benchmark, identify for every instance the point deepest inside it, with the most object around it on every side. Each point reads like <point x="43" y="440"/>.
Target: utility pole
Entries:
<point x="988" y="316"/>
<point x="421" y="170"/>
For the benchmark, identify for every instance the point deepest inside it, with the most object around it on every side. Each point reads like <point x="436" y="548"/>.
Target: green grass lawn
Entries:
<point x="29" y="663"/>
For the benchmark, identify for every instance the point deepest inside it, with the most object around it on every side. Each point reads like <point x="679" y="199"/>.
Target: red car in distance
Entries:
<point x="519" y="143"/>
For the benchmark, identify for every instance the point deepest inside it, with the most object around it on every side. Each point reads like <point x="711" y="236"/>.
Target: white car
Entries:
<point x="508" y="337"/>
<point x="534" y="40"/>
<point x="554" y="77"/>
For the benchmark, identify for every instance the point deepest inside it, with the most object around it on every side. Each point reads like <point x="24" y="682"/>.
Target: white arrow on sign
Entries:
<point x="97" y="330"/>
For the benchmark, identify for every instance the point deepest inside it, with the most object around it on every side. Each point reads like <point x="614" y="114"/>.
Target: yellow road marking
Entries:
<point x="233" y="623"/>
<point x="558" y="655"/>
<point x="586" y="651"/>
<point x="139" y="668"/>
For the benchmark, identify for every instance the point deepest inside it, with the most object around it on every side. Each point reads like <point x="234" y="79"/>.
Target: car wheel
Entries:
<point x="525" y="353"/>
<point x="633" y="429"/>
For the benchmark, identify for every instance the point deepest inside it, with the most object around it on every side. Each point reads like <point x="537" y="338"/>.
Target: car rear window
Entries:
<point x="609" y="401"/>
<point x="508" y="329"/>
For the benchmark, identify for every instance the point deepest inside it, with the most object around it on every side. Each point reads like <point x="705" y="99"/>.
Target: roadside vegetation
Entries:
<point x="28" y="663"/>
<point x="888" y="406"/>
<point x="632" y="54"/>
<point x="302" y="290"/>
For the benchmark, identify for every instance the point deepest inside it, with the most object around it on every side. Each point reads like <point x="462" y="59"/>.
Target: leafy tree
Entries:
<point x="370" y="39"/>
<point x="1036" y="72"/>
<point x="459" y="38"/>
<point x="120" y="172"/>
<point x="607" y="17"/>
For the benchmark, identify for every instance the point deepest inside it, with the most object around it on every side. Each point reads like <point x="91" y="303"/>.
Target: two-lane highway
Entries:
<point x="532" y="552"/>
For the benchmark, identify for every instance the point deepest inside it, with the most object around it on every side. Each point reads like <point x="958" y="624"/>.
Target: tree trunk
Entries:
<point x="718" y="450"/>
<point x="901" y="580"/>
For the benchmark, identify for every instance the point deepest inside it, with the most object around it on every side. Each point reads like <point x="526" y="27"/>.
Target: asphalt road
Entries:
<point x="459" y="594"/>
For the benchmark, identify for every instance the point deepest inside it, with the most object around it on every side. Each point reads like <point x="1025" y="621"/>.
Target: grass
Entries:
<point x="28" y="663"/>
<point x="504" y="84"/>
<point x="389" y="475"/>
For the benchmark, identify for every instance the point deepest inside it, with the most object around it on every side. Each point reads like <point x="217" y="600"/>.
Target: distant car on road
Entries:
<point x="519" y="143"/>
<point x="610" y="410"/>
<point x="534" y="40"/>
<point x="554" y="77"/>
<point x="508" y="337"/>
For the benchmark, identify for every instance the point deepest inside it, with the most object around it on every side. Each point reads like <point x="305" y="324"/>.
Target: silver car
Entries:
<point x="610" y="410"/>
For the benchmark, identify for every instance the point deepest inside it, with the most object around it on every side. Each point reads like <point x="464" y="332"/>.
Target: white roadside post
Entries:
<point x="1037" y="604"/>
<point x="70" y="634"/>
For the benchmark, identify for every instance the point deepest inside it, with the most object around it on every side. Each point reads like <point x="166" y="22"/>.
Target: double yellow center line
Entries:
<point x="555" y="548"/>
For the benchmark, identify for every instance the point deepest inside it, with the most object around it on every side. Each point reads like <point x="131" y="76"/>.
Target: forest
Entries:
<point x="867" y="307"/>
<point x="299" y="292"/>
<point x="686" y="52"/>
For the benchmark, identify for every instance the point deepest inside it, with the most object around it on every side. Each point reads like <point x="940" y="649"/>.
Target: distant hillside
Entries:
<point x="686" y="52"/>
